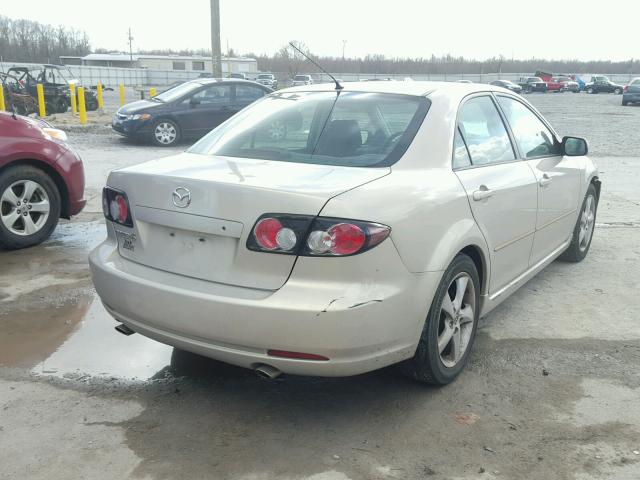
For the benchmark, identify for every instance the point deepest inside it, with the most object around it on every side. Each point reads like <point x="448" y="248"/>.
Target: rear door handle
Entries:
<point x="545" y="180"/>
<point x="482" y="193"/>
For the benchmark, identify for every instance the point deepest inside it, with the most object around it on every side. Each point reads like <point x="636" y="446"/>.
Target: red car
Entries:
<point x="41" y="180"/>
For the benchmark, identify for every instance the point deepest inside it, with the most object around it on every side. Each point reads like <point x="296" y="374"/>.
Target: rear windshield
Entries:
<point x="301" y="78"/>
<point x="265" y="75"/>
<point x="635" y="81"/>
<point x="354" y="129"/>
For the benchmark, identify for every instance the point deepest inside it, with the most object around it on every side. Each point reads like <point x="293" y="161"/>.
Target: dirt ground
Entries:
<point x="552" y="390"/>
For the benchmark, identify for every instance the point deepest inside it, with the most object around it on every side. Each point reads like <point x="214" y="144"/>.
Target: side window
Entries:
<point x="461" y="157"/>
<point x="213" y="95"/>
<point x="248" y="93"/>
<point x="482" y="129"/>
<point x="532" y="136"/>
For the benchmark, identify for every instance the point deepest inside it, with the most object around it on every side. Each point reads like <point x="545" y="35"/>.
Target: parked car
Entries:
<point x="566" y="84"/>
<point x="600" y="84"/>
<point x="302" y="80"/>
<point x="532" y="84"/>
<point x="188" y="110"/>
<point x="41" y="180"/>
<point x="268" y="80"/>
<point x="631" y="93"/>
<point x="241" y="76"/>
<point x="509" y="85"/>
<point x="297" y="255"/>
<point x="462" y="80"/>
<point x="55" y="80"/>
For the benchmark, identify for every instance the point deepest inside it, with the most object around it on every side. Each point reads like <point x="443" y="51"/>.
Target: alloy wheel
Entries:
<point x="587" y="222"/>
<point x="165" y="133"/>
<point x="277" y="130"/>
<point x="457" y="317"/>
<point x="24" y="207"/>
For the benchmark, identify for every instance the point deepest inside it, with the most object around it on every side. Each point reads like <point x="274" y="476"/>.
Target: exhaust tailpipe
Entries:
<point x="267" y="371"/>
<point x="123" y="329"/>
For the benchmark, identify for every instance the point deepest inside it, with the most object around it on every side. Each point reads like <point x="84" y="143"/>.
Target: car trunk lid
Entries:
<point x="206" y="239"/>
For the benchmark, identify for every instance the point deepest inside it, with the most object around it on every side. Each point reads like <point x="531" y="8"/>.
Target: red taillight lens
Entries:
<point x="626" y="88"/>
<point x="314" y="236"/>
<point x="116" y="207"/>
<point x="346" y="239"/>
<point x="296" y="355"/>
<point x="266" y="231"/>
<point x="270" y="234"/>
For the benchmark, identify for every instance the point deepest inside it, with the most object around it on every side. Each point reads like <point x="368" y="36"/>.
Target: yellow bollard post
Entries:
<point x="74" y="104"/>
<point x="121" y="94"/>
<point x="2" y="105"/>
<point x="83" y="109"/>
<point x="152" y="92"/>
<point x="99" y="95"/>
<point x="40" y="90"/>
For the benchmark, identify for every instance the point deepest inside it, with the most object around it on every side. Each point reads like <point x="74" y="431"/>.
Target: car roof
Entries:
<point x="207" y="81"/>
<point x="418" y="88"/>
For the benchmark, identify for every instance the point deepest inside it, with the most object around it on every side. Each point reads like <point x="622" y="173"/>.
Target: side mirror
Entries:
<point x="574" y="146"/>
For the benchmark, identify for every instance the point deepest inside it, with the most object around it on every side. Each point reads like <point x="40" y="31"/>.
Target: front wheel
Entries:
<point x="29" y="207"/>
<point x="165" y="133"/>
<point x="590" y="90"/>
<point x="617" y="91"/>
<point x="583" y="231"/>
<point x="450" y="328"/>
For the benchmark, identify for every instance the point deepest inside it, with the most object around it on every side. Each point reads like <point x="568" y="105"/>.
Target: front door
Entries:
<point x="206" y="109"/>
<point x="558" y="176"/>
<point x="502" y="190"/>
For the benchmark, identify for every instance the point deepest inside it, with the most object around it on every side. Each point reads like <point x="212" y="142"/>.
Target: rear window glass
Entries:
<point x="302" y="78"/>
<point x="351" y="129"/>
<point x="636" y="81"/>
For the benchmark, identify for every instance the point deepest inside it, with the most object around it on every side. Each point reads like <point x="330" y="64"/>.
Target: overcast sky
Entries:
<point x="398" y="28"/>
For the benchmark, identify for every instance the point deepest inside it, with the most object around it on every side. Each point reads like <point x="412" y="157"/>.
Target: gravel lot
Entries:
<point x="78" y="400"/>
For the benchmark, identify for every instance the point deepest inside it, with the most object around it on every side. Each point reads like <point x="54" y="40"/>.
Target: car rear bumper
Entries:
<point x="359" y="326"/>
<point x="631" y="97"/>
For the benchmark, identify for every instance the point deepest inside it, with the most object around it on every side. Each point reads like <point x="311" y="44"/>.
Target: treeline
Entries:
<point x="28" y="41"/>
<point x="288" y="60"/>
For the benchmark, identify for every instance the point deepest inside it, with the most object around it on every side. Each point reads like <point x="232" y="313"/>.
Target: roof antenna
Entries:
<point x="338" y="86"/>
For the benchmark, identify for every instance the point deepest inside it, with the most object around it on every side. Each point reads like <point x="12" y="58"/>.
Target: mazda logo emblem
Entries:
<point x="181" y="197"/>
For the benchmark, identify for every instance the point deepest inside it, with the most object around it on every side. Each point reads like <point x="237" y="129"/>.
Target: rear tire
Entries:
<point x="18" y="230"/>
<point x="454" y="315"/>
<point x="583" y="231"/>
<point x="617" y="91"/>
<point x="624" y="103"/>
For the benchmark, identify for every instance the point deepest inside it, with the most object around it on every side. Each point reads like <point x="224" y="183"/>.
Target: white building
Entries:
<point x="182" y="63"/>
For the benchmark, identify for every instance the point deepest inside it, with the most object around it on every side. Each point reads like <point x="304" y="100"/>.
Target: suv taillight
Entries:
<point x="311" y="236"/>
<point x="115" y="206"/>
<point x="626" y="88"/>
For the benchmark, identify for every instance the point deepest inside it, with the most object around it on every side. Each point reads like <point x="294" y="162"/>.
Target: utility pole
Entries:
<point x="344" y="44"/>
<point x="130" y="46"/>
<point x="216" y="54"/>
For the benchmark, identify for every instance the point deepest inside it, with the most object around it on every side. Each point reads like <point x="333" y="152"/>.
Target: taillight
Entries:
<point x="309" y="236"/>
<point x="626" y="88"/>
<point x="115" y="207"/>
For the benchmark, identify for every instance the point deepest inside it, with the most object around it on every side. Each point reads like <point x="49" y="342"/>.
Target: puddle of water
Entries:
<point x="95" y="348"/>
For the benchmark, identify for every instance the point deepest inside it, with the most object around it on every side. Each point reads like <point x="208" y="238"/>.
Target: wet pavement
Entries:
<point x="552" y="390"/>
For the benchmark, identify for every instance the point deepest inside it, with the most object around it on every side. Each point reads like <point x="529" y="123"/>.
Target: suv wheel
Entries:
<point x="450" y="328"/>
<point x="29" y="206"/>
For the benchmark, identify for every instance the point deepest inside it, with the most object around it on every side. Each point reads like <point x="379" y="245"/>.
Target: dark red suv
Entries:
<point x="41" y="180"/>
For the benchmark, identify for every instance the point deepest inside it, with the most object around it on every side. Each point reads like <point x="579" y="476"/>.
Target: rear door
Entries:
<point x="502" y="190"/>
<point x="558" y="176"/>
<point x="246" y="94"/>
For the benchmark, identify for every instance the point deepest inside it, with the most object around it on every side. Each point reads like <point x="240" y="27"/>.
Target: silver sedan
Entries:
<point x="376" y="228"/>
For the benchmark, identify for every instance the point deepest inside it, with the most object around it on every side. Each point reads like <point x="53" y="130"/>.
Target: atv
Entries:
<point x="17" y="98"/>
<point x="55" y="80"/>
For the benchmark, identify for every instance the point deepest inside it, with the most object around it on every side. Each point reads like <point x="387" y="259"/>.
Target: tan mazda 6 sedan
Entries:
<point x="334" y="231"/>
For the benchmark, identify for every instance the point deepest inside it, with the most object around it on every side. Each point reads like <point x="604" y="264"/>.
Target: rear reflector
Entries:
<point x="296" y="355"/>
